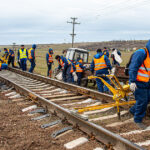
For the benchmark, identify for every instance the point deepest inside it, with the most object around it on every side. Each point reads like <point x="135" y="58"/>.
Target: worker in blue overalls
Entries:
<point x="79" y="70"/>
<point x="70" y="70"/>
<point x="106" y="52"/>
<point x="101" y="64"/>
<point x="139" y="79"/>
<point x="63" y="64"/>
<point x="31" y="57"/>
<point x="11" y="58"/>
<point x="22" y="57"/>
<point x="49" y="60"/>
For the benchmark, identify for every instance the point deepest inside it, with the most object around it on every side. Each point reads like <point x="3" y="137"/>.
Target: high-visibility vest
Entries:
<point x="70" y="63"/>
<point x="78" y="68"/>
<point x="100" y="63"/>
<point x="61" y="63"/>
<point x="50" y="58"/>
<point x="23" y="53"/>
<point x="29" y="53"/>
<point x="143" y="74"/>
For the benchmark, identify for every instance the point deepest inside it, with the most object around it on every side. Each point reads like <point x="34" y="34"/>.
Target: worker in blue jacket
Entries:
<point x="79" y="70"/>
<point x="49" y="60"/>
<point x="106" y="52"/>
<point x="22" y="57"/>
<point x="31" y="57"/>
<point x="63" y="64"/>
<point x="6" y="53"/>
<point x="101" y="64"/>
<point x="139" y="78"/>
<point x="11" y="58"/>
<point x="70" y="70"/>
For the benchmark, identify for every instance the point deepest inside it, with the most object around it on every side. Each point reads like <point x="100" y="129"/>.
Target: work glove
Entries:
<point x="133" y="87"/>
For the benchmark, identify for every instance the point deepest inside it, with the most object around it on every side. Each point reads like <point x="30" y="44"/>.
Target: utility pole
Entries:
<point x="73" y="22"/>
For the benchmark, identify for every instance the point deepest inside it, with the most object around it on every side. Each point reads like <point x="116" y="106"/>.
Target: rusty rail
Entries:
<point x="101" y="134"/>
<point x="71" y="87"/>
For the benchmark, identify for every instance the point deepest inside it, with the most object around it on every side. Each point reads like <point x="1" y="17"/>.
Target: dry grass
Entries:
<point x="41" y="51"/>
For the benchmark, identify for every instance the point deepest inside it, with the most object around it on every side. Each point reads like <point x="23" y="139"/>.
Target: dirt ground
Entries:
<point x="18" y="132"/>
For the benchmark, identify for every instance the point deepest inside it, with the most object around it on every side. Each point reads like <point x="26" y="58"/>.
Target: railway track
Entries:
<point x="60" y="98"/>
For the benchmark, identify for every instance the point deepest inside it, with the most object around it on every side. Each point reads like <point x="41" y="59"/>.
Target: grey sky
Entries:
<point x="45" y="21"/>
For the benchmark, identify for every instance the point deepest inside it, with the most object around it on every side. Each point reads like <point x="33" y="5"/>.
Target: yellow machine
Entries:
<point x="120" y="94"/>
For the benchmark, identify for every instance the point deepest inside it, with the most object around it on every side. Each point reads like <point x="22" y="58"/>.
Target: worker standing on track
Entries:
<point x="139" y="78"/>
<point x="101" y="64"/>
<point x="49" y="60"/>
<point x="31" y="57"/>
<point x="22" y="57"/>
<point x="70" y="70"/>
<point x="11" y="58"/>
<point x="106" y="52"/>
<point x="79" y="70"/>
<point x="63" y="64"/>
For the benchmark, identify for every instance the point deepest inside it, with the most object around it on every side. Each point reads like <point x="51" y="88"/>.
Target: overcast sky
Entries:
<point x="45" y="21"/>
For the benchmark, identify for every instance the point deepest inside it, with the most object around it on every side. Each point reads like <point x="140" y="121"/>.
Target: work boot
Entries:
<point x="141" y="126"/>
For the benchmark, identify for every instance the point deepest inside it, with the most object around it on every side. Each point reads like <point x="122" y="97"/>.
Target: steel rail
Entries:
<point x="101" y="134"/>
<point x="71" y="87"/>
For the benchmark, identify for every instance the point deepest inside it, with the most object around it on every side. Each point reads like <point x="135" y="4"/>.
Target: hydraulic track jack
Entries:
<point x="119" y="93"/>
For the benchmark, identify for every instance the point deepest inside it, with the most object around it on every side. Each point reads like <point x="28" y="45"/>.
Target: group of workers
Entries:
<point x="139" y="72"/>
<point x="23" y="56"/>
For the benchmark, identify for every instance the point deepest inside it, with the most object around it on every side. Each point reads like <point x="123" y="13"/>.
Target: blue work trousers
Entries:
<point x="142" y="97"/>
<point x="32" y="61"/>
<point x="49" y="65"/>
<point x="79" y="75"/>
<point x="101" y="87"/>
<point x="23" y="63"/>
<point x="70" y="78"/>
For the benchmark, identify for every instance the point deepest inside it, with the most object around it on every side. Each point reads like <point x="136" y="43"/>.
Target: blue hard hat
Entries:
<point x="34" y="46"/>
<point x="50" y="49"/>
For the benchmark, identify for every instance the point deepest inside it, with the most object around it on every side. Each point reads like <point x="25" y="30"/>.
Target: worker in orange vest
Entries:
<point x="101" y="64"/>
<point x="139" y="79"/>
<point x="31" y="57"/>
<point x="49" y="60"/>
<point x="79" y="70"/>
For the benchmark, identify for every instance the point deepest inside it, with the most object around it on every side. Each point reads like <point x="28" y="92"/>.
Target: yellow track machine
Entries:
<point x="120" y="95"/>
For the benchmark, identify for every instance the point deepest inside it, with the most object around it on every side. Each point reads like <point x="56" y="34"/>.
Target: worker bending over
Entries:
<point x="11" y="58"/>
<point x="139" y="78"/>
<point x="6" y="54"/>
<point x="49" y="60"/>
<point x="63" y="64"/>
<point x="79" y="70"/>
<point x="31" y="57"/>
<point x="101" y="64"/>
<point x="22" y="57"/>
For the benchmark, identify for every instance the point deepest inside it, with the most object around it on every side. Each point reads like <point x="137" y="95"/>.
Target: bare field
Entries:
<point x="42" y="49"/>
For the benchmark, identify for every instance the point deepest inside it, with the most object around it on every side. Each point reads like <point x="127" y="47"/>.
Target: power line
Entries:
<point x="73" y="22"/>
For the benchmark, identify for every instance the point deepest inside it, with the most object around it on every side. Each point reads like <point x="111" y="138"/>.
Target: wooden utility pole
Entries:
<point x="73" y="22"/>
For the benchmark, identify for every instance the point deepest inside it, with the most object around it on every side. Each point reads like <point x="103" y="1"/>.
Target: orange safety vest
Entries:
<point x="50" y="58"/>
<point x="29" y="53"/>
<point x="143" y="74"/>
<point x="100" y="63"/>
<point x="61" y="63"/>
<point x="78" y="68"/>
<point x="69" y="62"/>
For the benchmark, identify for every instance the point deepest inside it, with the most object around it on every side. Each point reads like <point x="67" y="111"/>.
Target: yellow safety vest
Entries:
<point x="23" y="53"/>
